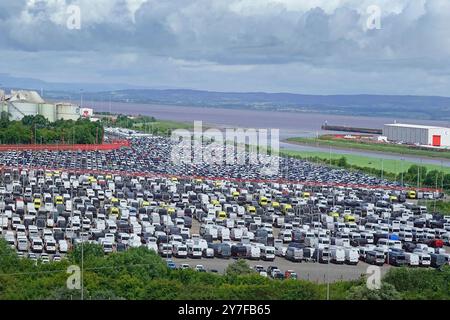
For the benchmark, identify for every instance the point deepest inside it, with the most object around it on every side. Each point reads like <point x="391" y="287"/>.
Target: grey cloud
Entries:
<point x="414" y="41"/>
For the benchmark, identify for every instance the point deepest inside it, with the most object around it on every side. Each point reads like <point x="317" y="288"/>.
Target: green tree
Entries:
<point x="238" y="267"/>
<point x="386" y="292"/>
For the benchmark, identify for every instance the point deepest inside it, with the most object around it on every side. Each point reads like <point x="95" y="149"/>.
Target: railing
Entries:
<point x="113" y="145"/>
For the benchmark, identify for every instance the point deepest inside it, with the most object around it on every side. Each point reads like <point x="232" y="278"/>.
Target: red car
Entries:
<point x="436" y="243"/>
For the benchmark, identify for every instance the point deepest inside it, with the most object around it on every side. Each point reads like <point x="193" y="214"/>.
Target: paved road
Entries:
<point x="316" y="272"/>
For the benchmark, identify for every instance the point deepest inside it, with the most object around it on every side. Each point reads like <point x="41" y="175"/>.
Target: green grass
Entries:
<point x="160" y="126"/>
<point x="389" y="165"/>
<point x="438" y="206"/>
<point x="390" y="148"/>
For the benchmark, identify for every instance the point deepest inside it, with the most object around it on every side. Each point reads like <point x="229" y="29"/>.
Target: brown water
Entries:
<point x="290" y="123"/>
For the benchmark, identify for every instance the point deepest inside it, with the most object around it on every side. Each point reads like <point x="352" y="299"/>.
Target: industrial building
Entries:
<point x="22" y="103"/>
<point x="417" y="134"/>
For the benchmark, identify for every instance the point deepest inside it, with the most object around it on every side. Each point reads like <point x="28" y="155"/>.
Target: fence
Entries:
<point x="113" y="145"/>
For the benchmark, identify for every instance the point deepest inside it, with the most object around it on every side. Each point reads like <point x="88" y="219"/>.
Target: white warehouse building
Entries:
<point x="417" y="134"/>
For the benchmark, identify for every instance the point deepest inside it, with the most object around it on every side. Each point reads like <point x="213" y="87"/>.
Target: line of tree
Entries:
<point x="124" y="121"/>
<point x="139" y="273"/>
<point x="37" y="129"/>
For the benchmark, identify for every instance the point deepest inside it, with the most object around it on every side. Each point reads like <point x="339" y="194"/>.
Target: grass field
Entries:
<point x="393" y="166"/>
<point x="390" y="148"/>
<point x="162" y="126"/>
<point x="437" y="206"/>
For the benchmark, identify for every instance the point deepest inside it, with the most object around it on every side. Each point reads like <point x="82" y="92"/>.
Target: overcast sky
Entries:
<point x="300" y="46"/>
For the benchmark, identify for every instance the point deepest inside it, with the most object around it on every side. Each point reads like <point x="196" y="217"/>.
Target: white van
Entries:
<point x="368" y="237"/>
<point x="180" y="250"/>
<point x="412" y="259"/>
<point x="195" y="251"/>
<point x="337" y="255"/>
<point x="268" y="253"/>
<point x="37" y="245"/>
<point x="351" y="256"/>
<point x="424" y="258"/>
<point x="22" y="244"/>
<point x="253" y="252"/>
<point x="405" y="236"/>
<point x="236" y="234"/>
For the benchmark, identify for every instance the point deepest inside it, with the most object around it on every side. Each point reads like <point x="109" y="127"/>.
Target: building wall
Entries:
<point x="407" y="134"/>
<point x="444" y="133"/>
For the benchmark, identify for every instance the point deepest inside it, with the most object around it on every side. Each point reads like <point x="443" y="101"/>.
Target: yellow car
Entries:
<point x="37" y="203"/>
<point x="170" y="210"/>
<point x="411" y="194"/>
<point x="275" y="204"/>
<point x="333" y="214"/>
<point x="114" y="211"/>
<point x="114" y="201"/>
<point x="217" y="183"/>
<point x="145" y="204"/>
<point x="236" y="194"/>
<point x="263" y="201"/>
<point x="174" y="179"/>
<point x="393" y="198"/>
<point x="198" y="181"/>
<point x="221" y="215"/>
<point x="59" y="200"/>
<point x="108" y="177"/>
<point x="215" y="202"/>
<point x="286" y="207"/>
<point x="306" y="194"/>
<point x="92" y="179"/>
<point x="251" y="209"/>
<point x="349" y="218"/>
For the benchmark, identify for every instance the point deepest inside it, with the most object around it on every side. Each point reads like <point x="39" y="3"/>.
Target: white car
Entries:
<point x="200" y="267"/>
<point x="63" y="246"/>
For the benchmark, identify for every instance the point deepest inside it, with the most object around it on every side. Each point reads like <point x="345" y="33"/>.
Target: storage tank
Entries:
<point x="18" y="110"/>
<point x="48" y="111"/>
<point x="67" y="111"/>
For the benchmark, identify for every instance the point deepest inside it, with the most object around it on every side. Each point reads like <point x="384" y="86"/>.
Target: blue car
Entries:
<point x="171" y="265"/>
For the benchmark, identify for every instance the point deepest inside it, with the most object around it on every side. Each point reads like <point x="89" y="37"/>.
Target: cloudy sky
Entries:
<point x="300" y="46"/>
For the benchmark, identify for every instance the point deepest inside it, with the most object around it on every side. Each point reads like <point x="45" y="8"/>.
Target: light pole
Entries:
<point x="401" y="165"/>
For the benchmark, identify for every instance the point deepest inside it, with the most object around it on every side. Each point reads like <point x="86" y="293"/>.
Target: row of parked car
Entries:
<point x="154" y="154"/>
<point x="47" y="212"/>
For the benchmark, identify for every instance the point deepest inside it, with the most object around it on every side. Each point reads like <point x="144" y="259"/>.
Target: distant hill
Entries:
<point x="416" y="107"/>
<point x="413" y="107"/>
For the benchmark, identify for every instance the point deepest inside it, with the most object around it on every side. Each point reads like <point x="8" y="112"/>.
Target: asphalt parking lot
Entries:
<point x="313" y="271"/>
<point x="46" y="212"/>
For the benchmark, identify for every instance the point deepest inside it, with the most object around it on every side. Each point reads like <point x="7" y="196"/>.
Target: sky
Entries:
<point x="298" y="46"/>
